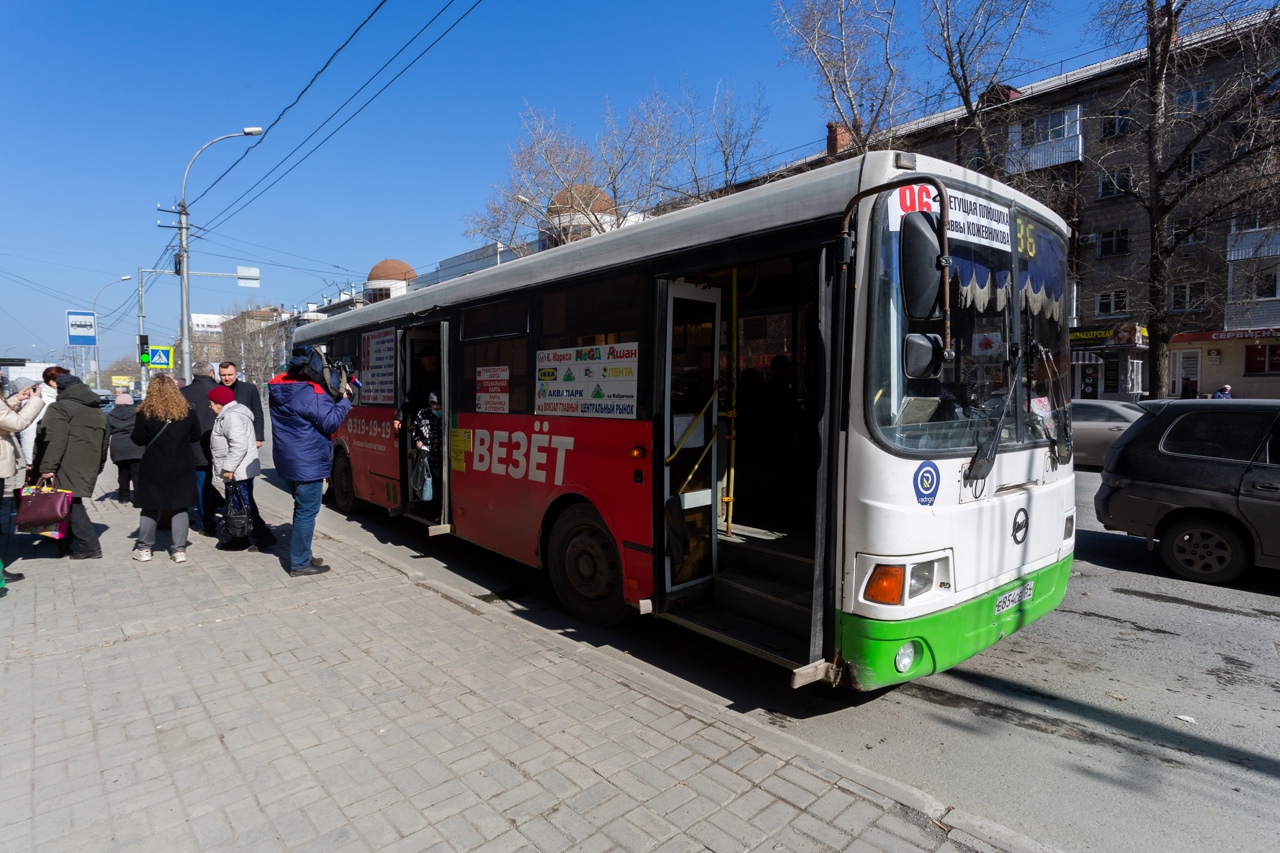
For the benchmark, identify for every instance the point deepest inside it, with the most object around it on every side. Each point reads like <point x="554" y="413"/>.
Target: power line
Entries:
<point x="310" y="82"/>
<point x="223" y="216"/>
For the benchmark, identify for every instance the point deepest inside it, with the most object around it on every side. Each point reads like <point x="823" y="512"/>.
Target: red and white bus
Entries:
<point x="824" y="420"/>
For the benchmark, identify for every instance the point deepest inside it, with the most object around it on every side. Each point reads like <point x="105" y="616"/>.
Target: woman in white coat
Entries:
<point x="18" y="412"/>
<point x="48" y="393"/>
<point x="233" y="445"/>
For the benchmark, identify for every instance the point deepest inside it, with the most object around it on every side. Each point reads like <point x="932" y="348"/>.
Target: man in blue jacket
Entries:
<point x="303" y="417"/>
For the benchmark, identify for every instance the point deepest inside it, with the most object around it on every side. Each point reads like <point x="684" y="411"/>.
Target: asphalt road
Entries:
<point x="1142" y="715"/>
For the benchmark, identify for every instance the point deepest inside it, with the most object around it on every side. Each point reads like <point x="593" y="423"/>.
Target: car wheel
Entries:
<point x="343" y="485"/>
<point x="1204" y="550"/>
<point x="586" y="571"/>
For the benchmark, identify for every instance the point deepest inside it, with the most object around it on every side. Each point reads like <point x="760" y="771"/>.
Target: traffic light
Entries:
<point x="144" y="350"/>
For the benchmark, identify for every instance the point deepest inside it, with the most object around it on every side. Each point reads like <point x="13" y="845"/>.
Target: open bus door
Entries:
<point x="689" y="481"/>
<point x="415" y="381"/>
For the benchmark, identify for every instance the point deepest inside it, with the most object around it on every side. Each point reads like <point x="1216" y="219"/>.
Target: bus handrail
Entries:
<point x="689" y="432"/>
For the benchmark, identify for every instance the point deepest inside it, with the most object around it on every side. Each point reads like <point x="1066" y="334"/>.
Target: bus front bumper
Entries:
<point x="868" y="648"/>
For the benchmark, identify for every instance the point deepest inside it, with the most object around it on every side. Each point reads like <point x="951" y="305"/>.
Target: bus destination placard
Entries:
<point x="378" y="367"/>
<point x="493" y="390"/>
<point x="588" y="382"/>
<point x="971" y="219"/>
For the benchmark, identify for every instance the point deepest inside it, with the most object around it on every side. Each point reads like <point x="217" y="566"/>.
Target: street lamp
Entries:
<point x="97" y="365"/>
<point x="184" y="258"/>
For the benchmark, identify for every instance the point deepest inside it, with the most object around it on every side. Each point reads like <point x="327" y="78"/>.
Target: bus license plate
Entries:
<point x="1014" y="597"/>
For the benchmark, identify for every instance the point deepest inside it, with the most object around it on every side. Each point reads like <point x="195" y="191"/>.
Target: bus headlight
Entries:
<point x="905" y="657"/>
<point x="921" y="578"/>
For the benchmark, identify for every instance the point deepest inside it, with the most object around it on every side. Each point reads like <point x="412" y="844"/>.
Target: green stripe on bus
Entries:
<point x="868" y="646"/>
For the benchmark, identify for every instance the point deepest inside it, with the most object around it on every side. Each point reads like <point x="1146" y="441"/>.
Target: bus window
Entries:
<point x="596" y="313"/>
<point x="479" y="358"/>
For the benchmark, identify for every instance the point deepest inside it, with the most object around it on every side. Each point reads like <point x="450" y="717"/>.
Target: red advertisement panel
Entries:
<point x="370" y="436"/>
<point x="507" y="470"/>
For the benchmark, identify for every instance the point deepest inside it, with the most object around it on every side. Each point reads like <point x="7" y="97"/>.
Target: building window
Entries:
<point x="1260" y="282"/>
<point x="1054" y="125"/>
<point x="1111" y="302"/>
<point x="1184" y="234"/>
<point x="1261" y="359"/>
<point x="1115" y="183"/>
<point x="1113" y="243"/>
<point x="1185" y="296"/>
<point x="1116" y="123"/>
<point x="1195" y="99"/>
<point x="1194" y="165"/>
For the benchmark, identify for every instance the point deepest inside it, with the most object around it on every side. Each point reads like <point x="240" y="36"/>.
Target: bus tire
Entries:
<point x="586" y="571"/>
<point x="342" y="484"/>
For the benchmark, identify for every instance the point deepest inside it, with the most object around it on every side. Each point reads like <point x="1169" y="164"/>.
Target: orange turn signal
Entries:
<point x="637" y="453"/>
<point x="885" y="584"/>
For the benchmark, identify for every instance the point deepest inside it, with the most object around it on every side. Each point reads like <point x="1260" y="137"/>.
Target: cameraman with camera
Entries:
<point x="308" y="404"/>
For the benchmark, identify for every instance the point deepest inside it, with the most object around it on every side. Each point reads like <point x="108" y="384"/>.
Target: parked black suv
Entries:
<point x="1203" y="477"/>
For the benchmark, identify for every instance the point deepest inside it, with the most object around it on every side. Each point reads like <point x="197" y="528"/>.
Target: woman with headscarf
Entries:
<point x="165" y="428"/>
<point x="233" y="449"/>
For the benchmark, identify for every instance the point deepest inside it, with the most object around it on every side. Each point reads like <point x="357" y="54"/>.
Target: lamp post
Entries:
<point x="97" y="365"/>
<point x="184" y="258"/>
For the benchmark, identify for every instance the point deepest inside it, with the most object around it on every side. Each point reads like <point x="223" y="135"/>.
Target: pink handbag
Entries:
<point x="41" y="506"/>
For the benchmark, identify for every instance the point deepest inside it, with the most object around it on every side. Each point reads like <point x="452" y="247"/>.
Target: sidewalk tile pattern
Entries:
<point x="222" y="705"/>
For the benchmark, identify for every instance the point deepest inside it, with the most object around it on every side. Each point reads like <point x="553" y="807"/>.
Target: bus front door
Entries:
<point x="692" y="371"/>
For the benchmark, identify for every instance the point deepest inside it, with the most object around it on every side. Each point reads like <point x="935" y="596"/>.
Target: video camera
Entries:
<point x="336" y="377"/>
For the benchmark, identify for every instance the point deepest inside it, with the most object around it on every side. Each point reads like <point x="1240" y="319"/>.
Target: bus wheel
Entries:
<point x="343" y="485"/>
<point x="586" y="571"/>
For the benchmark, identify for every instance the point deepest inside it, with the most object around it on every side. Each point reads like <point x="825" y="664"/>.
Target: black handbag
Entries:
<point x="236" y="521"/>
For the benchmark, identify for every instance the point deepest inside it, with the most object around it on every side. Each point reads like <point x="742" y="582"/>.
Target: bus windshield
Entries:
<point x="1008" y="335"/>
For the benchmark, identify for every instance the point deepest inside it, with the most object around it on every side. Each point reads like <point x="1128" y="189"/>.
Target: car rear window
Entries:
<point x="1222" y="435"/>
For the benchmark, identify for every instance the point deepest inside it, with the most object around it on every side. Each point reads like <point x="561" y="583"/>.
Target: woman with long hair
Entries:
<point x="166" y="428"/>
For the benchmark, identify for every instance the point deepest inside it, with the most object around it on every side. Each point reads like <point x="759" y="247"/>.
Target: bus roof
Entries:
<point x="807" y="197"/>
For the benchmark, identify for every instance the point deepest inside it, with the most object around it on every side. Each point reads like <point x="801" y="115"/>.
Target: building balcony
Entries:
<point x="1042" y="155"/>
<point x="1253" y="244"/>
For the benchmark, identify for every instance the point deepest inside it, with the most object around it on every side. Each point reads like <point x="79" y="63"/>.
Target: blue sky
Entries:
<point x="105" y="103"/>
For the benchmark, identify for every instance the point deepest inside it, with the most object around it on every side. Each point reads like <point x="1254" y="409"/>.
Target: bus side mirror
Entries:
<point x="922" y="356"/>
<point x="919" y="265"/>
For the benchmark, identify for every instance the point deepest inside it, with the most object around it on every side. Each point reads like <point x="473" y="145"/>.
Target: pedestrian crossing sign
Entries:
<point x="161" y="357"/>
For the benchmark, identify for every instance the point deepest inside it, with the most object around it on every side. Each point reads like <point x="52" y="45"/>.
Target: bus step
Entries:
<point x="786" y="558"/>
<point x="746" y="634"/>
<point x="765" y="599"/>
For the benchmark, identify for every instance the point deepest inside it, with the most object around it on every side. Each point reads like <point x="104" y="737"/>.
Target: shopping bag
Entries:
<point x="236" y="522"/>
<point x="61" y="530"/>
<point x="421" y="481"/>
<point x="42" y="506"/>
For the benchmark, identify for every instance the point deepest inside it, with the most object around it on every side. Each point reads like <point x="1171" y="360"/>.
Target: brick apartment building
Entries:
<point x="1074" y="141"/>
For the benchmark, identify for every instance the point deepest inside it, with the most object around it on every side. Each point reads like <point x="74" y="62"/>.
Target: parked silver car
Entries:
<point x="1096" y="424"/>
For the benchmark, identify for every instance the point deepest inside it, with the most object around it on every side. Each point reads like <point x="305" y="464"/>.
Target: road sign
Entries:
<point x="162" y="358"/>
<point x="82" y="329"/>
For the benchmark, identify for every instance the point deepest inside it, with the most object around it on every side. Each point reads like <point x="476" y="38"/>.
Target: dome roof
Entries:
<point x="564" y="202"/>
<point x="391" y="270"/>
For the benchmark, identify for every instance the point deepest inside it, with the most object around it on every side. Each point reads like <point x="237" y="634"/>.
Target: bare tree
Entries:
<point x="717" y="146"/>
<point x="978" y="48"/>
<point x="1206" y="127"/>
<point x="561" y="187"/>
<point x="851" y="50"/>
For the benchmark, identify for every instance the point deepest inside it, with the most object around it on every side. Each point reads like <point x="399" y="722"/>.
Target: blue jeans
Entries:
<point x="306" y="506"/>
<point x="208" y="499"/>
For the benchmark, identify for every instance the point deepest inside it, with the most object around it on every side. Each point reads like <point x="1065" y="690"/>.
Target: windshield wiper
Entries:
<point x="985" y="457"/>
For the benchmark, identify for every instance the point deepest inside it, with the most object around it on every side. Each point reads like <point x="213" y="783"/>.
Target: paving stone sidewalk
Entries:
<point x="219" y="704"/>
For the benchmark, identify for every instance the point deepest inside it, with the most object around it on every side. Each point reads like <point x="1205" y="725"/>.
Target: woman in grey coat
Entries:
<point x="233" y="446"/>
